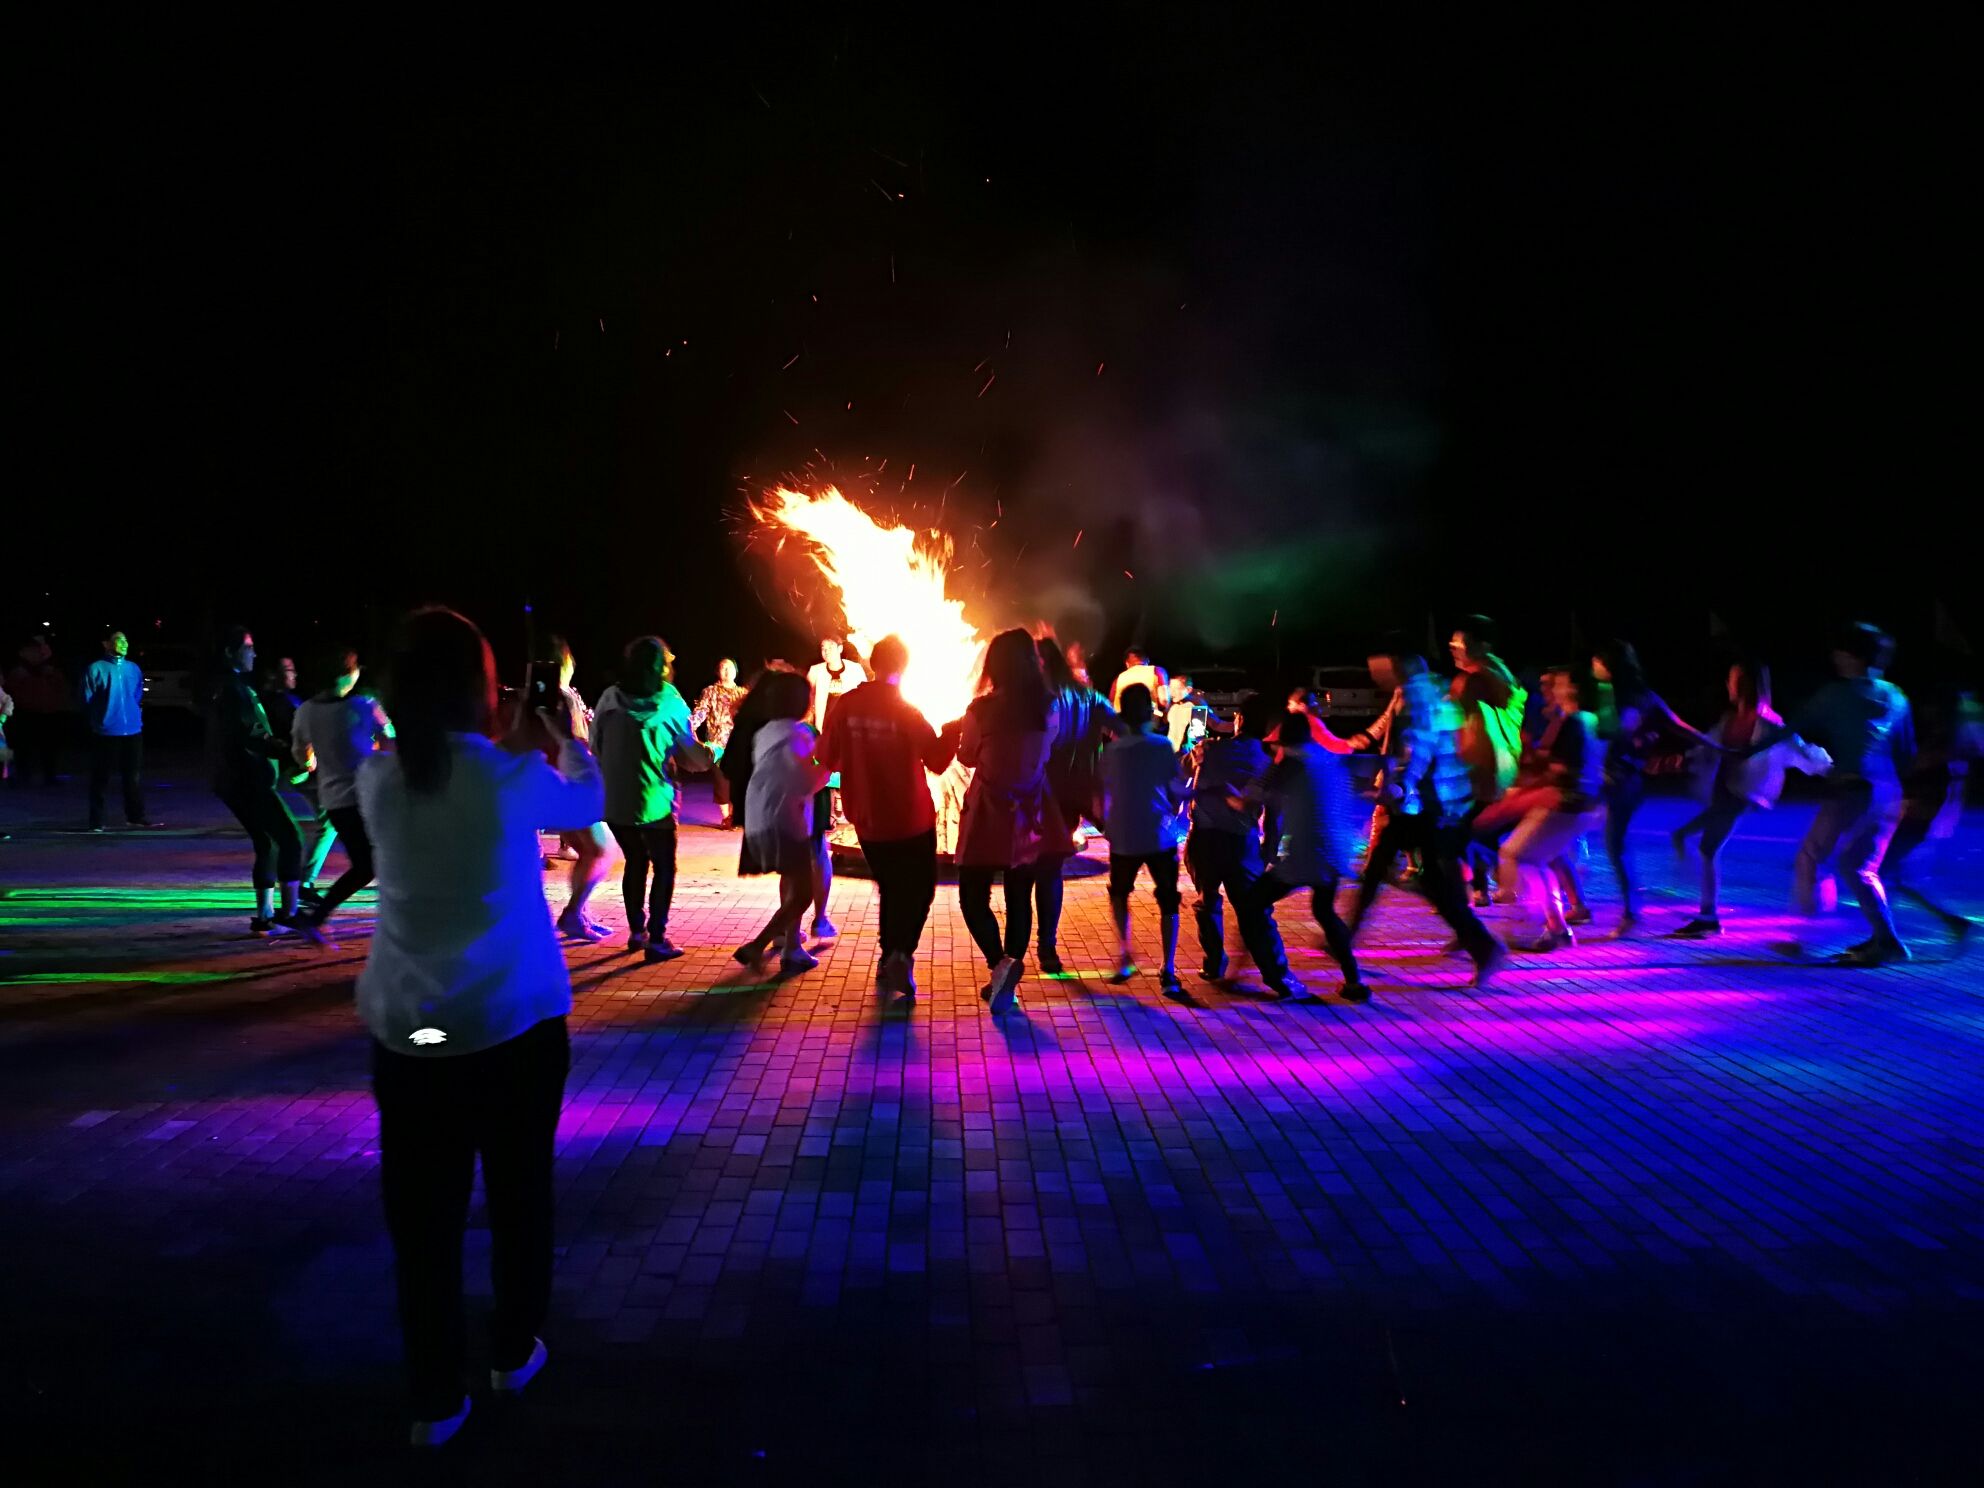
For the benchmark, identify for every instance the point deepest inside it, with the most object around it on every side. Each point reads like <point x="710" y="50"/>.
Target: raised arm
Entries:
<point x="1657" y="705"/>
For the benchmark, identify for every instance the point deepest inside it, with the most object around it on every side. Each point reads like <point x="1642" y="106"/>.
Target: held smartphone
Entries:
<point x="541" y="688"/>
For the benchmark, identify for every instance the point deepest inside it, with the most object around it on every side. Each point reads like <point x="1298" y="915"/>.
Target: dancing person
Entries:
<point x="1752" y="748"/>
<point x="1568" y="806"/>
<point x="1491" y="711"/>
<point x="588" y="844"/>
<point x="465" y="993"/>
<point x="1138" y="671"/>
<point x="786" y="776"/>
<point x="737" y="760"/>
<point x="41" y="704"/>
<point x="885" y="752"/>
<point x="831" y="677"/>
<point x="1184" y="714"/>
<point x="1310" y="789"/>
<point x="1084" y="723"/>
<point x="1633" y="720"/>
<point x="1223" y="850"/>
<point x="1142" y="791"/>
<point x="1427" y="796"/>
<point x="1949" y="737"/>
<point x="1010" y="818"/>
<point x="275" y="686"/>
<point x="638" y="739"/>
<point x="713" y="717"/>
<point x="113" y="696"/>
<point x="242" y="756"/>
<point x="335" y="731"/>
<point x="1862" y="720"/>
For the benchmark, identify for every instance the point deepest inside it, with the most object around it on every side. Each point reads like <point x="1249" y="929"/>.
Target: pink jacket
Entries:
<point x="1010" y="819"/>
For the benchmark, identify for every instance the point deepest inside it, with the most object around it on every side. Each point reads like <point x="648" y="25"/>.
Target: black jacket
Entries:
<point x="241" y="749"/>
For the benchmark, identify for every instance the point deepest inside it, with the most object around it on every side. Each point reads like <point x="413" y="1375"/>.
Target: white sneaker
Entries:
<point x="439" y="1433"/>
<point x="523" y="1374"/>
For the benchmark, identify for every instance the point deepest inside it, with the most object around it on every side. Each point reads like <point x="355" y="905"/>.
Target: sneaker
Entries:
<point x="825" y="929"/>
<point x="793" y="962"/>
<point x="1214" y="971"/>
<point x="145" y="826"/>
<point x="515" y="1379"/>
<point x="1170" y="986"/>
<point x="750" y="954"/>
<point x="1628" y="923"/>
<point x="637" y="940"/>
<point x="439" y="1433"/>
<point x="1005" y="986"/>
<point x="1487" y="967"/>
<point x="94" y="831"/>
<point x="1541" y="944"/>
<point x="1354" y="992"/>
<point x="578" y="927"/>
<point x="1124" y="971"/>
<point x="263" y="925"/>
<point x="299" y="922"/>
<point x="1701" y="927"/>
<point x="1289" y="988"/>
<point x="662" y="949"/>
<point x="310" y="896"/>
<point x="1873" y="953"/>
<point x="1049" y="960"/>
<point x="906" y="978"/>
<point x="1582" y="916"/>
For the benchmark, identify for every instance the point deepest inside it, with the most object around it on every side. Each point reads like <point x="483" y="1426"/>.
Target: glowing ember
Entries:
<point x="890" y="582"/>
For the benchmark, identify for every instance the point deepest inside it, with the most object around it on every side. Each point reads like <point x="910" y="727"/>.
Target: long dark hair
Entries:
<point x="646" y="667"/>
<point x="1054" y="667"/>
<point x="1623" y="662"/>
<point x="1012" y="676"/>
<point x="441" y="679"/>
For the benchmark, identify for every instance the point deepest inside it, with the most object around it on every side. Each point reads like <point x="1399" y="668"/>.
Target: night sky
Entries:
<point x="1599" y="328"/>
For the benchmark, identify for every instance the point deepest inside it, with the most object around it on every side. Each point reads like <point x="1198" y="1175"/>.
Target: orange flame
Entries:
<point x="890" y="582"/>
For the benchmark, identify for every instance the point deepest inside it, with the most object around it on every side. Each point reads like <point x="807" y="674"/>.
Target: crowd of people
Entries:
<point x="440" y="788"/>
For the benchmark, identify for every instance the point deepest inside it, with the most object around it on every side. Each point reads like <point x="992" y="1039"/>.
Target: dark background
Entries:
<point x="1593" y="326"/>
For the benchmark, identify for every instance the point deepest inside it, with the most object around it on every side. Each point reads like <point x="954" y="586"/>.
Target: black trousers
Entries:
<point x="1227" y="865"/>
<point x="272" y="830"/>
<point x="647" y="847"/>
<point x="1623" y="798"/>
<point x="905" y="872"/>
<point x="124" y="753"/>
<point x="975" y="904"/>
<point x="435" y="1115"/>
<point x="37" y="741"/>
<point x="1322" y="904"/>
<point x="1163" y="868"/>
<point x="350" y="827"/>
<point x="1049" y="890"/>
<point x="1440" y="849"/>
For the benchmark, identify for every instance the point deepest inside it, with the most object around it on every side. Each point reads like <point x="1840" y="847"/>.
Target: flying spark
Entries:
<point x="788" y="413"/>
<point x="988" y="383"/>
<point x="795" y="357"/>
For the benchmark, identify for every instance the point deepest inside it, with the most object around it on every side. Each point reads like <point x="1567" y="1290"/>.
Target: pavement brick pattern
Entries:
<point x="1649" y="1211"/>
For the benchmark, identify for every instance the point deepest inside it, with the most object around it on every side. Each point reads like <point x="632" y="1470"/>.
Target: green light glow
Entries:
<point x="86" y="978"/>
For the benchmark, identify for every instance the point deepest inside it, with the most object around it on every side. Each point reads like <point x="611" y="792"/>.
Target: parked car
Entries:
<point x="171" y="676"/>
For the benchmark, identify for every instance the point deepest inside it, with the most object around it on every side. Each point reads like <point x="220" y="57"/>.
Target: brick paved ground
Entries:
<point x="1650" y="1213"/>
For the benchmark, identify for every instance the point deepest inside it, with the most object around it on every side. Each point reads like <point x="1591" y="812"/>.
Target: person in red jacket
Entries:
<point x="885" y="751"/>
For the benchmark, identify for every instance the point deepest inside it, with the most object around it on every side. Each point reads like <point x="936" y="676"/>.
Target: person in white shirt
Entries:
<point x="589" y="845"/>
<point x="1184" y="715"/>
<point x="1138" y="672"/>
<point x="465" y="993"/>
<point x="333" y="733"/>
<point x="779" y="808"/>
<point x="1143" y="792"/>
<point x="828" y="678"/>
